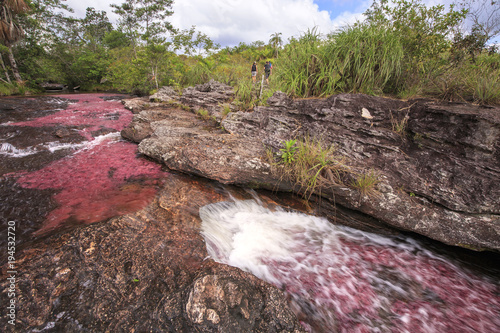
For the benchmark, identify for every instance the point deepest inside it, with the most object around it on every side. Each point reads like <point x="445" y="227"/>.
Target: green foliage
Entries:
<point x="311" y="166"/>
<point x="402" y="49"/>
<point x="361" y="58"/>
<point x="288" y="152"/>
<point x="368" y="59"/>
<point x="486" y="87"/>
<point x="203" y="113"/>
<point x="7" y="89"/>
<point x="423" y="30"/>
<point x="246" y="95"/>
<point x="144" y="20"/>
<point x="115" y="39"/>
<point x="226" y="109"/>
<point x="366" y="183"/>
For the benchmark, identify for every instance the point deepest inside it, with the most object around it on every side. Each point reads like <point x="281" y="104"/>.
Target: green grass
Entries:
<point x="313" y="167"/>
<point x="486" y="87"/>
<point x="309" y="165"/>
<point x="9" y="89"/>
<point x="366" y="183"/>
<point x="362" y="58"/>
<point x="226" y="109"/>
<point x="203" y="114"/>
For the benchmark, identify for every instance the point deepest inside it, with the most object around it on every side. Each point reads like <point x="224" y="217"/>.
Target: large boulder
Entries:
<point x="187" y="143"/>
<point x="437" y="163"/>
<point x="165" y="94"/>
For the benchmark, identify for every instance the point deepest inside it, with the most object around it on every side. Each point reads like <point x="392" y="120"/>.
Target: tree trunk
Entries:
<point x="5" y="69"/>
<point x="13" y="64"/>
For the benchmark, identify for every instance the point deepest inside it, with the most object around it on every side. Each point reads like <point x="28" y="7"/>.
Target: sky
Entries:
<point x="229" y="22"/>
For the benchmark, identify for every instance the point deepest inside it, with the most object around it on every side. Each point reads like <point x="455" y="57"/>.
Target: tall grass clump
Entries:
<point x="486" y="88"/>
<point x="485" y="79"/>
<point x="246" y="95"/>
<point x="475" y="80"/>
<point x="368" y="58"/>
<point x="8" y="89"/>
<point x="366" y="183"/>
<point x="302" y="67"/>
<point x="361" y="58"/>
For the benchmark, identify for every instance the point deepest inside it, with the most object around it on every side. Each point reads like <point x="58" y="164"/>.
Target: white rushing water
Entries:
<point x="346" y="280"/>
<point x="9" y="150"/>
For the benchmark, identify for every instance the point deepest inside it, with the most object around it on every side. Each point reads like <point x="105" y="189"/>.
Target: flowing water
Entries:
<point x="65" y="165"/>
<point x="343" y="279"/>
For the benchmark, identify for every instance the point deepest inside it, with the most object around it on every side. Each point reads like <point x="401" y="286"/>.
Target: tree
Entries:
<point x="425" y="31"/>
<point x="189" y="40"/>
<point x="276" y="42"/>
<point x="484" y="16"/>
<point x="145" y="19"/>
<point x="96" y="26"/>
<point x="48" y="35"/>
<point x="10" y="29"/>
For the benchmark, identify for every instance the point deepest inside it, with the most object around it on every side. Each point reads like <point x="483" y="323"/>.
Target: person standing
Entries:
<point x="267" y="71"/>
<point x="254" y="72"/>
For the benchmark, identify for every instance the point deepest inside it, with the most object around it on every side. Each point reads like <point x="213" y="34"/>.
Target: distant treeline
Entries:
<point x="402" y="49"/>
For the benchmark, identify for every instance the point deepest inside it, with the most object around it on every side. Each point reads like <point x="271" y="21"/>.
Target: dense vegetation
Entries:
<point x="401" y="49"/>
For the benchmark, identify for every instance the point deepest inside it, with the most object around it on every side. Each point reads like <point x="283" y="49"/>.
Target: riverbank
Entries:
<point x="436" y="164"/>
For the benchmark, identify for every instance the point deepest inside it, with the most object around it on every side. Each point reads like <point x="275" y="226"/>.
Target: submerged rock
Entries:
<point x="436" y="163"/>
<point x="143" y="272"/>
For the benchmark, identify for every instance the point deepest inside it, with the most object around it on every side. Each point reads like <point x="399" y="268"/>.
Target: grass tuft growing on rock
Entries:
<point x="309" y="165"/>
<point x="366" y="183"/>
<point x="312" y="166"/>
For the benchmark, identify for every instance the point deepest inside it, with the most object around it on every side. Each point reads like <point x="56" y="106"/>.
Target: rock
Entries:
<point x="102" y="131"/>
<point x="54" y="86"/>
<point x="439" y="175"/>
<point x="158" y="279"/>
<point x="210" y="96"/>
<point x="140" y="127"/>
<point x="165" y="94"/>
<point x="187" y="143"/>
<point x="138" y="104"/>
<point x="62" y="132"/>
<point x="436" y="163"/>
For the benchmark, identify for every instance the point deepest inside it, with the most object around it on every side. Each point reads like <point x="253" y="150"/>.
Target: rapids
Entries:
<point x="346" y="280"/>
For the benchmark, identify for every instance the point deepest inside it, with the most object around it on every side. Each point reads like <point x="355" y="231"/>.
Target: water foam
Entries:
<point x="342" y="279"/>
<point x="9" y="150"/>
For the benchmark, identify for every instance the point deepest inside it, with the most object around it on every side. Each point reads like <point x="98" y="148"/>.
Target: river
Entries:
<point x="64" y="165"/>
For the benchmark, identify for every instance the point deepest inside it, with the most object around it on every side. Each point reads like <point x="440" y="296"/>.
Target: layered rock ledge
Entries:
<point x="438" y="163"/>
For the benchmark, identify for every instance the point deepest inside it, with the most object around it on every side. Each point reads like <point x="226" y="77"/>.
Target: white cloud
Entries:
<point x="229" y="22"/>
